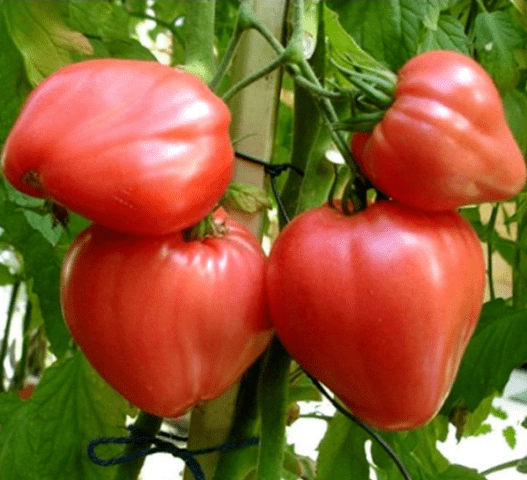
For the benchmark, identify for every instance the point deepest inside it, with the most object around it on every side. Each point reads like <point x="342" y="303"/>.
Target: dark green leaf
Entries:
<point x="14" y="85"/>
<point x="387" y="30"/>
<point x="45" y="437"/>
<point x="169" y="11"/>
<point x="99" y="19"/>
<point x="515" y="104"/>
<point x="496" y="348"/>
<point x="497" y="36"/>
<point x="447" y="34"/>
<point x="343" y="42"/>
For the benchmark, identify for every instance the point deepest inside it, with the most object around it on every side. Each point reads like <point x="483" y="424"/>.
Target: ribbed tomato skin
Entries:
<point x="135" y="146"/>
<point x="379" y="305"/>
<point x="167" y="323"/>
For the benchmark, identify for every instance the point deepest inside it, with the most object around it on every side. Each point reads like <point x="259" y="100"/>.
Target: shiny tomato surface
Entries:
<point x="379" y="306"/>
<point x="132" y="145"/>
<point x="445" y="141"/>
<point x="167" y="323"/>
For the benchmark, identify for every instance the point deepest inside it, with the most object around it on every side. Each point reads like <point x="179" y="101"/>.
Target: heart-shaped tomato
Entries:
<point x="168" y="323"/>
<point x="135" y="146"/>
<point x="379" y="305"/>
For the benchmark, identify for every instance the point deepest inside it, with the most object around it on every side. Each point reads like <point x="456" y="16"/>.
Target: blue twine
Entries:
<point x="160" y="445"/>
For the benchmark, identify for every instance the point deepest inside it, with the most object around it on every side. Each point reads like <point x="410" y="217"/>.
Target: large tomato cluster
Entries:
<point x="380" y="305"/>
<point x="144" y="151"/>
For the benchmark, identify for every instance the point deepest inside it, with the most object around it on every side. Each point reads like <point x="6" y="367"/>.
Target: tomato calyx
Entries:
<point x="31" y="179"/>
<point x="208" y="227"/>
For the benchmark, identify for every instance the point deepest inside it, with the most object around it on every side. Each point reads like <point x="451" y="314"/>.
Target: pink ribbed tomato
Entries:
<point x="168" y="323"/>
<point x="134" y="146"/>
<point x="379" y="305"/>
<point x="444" y="142"/>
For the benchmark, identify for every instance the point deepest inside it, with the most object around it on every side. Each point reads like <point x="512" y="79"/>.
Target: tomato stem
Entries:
<point x="205" y="228"/>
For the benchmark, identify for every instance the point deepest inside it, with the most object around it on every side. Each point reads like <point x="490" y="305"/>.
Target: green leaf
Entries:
<point x="509" y="433"/>
<point x="387" y="30"/>
<point x="417" y="451"/>
<point x="497" y="36"/>
<point x="42" y="37"/>
<point x="341" y="452"/>
<point x="496" y="348"/>
<point x="447" y="34"/>
<point x="297" y="466"/>
<point x="458" y="472"/>
<point x="98" y="19"/>
<point x="14" y="85"/>
<point x="6" y="278"/>
<point x="342" y="41"/>
<point x="515" y="104"/>
<point x="108" y="26"/>
<point x="499" y="413"/>
<point x="245" y="197"/>
<point x="470" y="423"/>
<point x="40" y="263"/>
<point x="45" y="437"/>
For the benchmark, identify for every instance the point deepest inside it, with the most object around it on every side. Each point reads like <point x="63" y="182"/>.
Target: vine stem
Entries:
<point x="281" y="60"/>
<point x="227" y="57"/>
<point x="148" y="424"/>
<point x="490" y="233"/>
<point x="503" y="466"/>
<point x="5" y="339"/>
<point x="199" y="38"/>
<point x="272" y="397"/>
<point x="21" y="368"/>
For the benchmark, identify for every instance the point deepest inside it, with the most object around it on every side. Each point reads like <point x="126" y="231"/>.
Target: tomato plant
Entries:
<point x="444" y="142"/>
<point x="141" y="146"/>
<point x="132" y="145"/>
<point x="169" y="323"/>
<point x="379" y="305"/>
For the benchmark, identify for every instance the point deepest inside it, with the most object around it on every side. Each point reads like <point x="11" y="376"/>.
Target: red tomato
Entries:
<point x="445" y="141"/>
<point x="167" y="323"/>
<point x="379" y="306"/>
<point x="135" y="146"/>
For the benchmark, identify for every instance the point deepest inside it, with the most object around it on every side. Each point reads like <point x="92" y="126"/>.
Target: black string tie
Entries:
<point x="273" y="170"/>
<point x="160" y="443"/>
